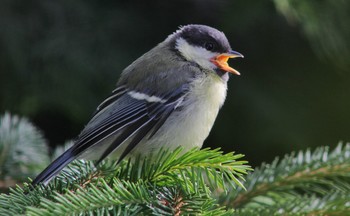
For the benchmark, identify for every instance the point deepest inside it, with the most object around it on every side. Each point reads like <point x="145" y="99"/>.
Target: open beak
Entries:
<point x="221" y="61"/>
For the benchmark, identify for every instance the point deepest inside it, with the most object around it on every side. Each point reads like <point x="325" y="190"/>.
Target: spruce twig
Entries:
<point x="171" y="183"/>
<point x="322" y="176"/>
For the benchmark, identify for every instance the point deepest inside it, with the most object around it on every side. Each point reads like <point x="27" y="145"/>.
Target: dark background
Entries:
<point x="60" y="59"/>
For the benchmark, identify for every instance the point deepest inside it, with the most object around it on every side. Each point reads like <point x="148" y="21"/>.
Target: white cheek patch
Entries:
<point x="196" y="54"/>
<point x="148" y="98"/>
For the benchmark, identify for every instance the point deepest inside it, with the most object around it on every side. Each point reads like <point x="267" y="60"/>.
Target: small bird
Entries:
<point x="168" y="97"/>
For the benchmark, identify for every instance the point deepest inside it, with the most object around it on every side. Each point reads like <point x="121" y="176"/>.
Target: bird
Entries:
<point x="168" y="97"/>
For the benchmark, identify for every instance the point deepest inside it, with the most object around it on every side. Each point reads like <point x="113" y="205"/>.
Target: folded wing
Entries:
<point x="125" y="115"/>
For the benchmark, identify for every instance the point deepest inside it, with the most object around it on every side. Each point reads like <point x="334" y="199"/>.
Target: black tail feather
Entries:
<point x="54" y="168"/>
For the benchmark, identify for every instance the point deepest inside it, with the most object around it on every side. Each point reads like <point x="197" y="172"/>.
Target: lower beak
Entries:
<point x="221" y="61"/>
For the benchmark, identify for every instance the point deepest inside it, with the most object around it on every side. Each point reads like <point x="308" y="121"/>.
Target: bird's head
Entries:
<point x="205" y="46"/>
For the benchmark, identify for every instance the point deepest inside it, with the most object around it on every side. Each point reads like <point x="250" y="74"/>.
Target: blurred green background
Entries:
<point x="59" y="59"/>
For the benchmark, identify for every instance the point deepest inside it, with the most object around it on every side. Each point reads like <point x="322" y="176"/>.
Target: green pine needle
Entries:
<point x="23" y="151"/>
<point x="306" y="182"/>
<point x="171" y="183"/>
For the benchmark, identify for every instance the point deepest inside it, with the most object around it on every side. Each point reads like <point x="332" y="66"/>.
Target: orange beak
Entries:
<point x="221" y="61"/>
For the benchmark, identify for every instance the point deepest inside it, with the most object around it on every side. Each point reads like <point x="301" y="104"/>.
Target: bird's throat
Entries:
<point x="222" y="74"/>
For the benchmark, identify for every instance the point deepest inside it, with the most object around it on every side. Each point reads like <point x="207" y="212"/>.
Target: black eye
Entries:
<point x="209" y="46"/>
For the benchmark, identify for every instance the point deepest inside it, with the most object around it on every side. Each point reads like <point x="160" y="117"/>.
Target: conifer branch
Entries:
<point x="171" y="182"/>
<point x="23" y="151"/>
<point x="322" y="176"/>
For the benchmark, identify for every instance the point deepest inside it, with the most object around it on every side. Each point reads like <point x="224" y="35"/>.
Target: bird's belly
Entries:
<point x="190" y="125"/>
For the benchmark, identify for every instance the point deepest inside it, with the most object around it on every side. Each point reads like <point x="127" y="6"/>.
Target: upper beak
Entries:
<point x="221" y="61"/>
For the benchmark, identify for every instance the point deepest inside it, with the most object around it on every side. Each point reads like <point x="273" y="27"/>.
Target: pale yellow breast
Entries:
<point x="191" y="125"/>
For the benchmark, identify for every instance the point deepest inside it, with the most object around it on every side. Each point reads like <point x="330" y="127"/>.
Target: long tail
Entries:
<point x="54" y="168"/>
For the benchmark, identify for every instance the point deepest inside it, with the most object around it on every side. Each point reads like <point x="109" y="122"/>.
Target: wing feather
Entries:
<point x="130" y="118"/>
